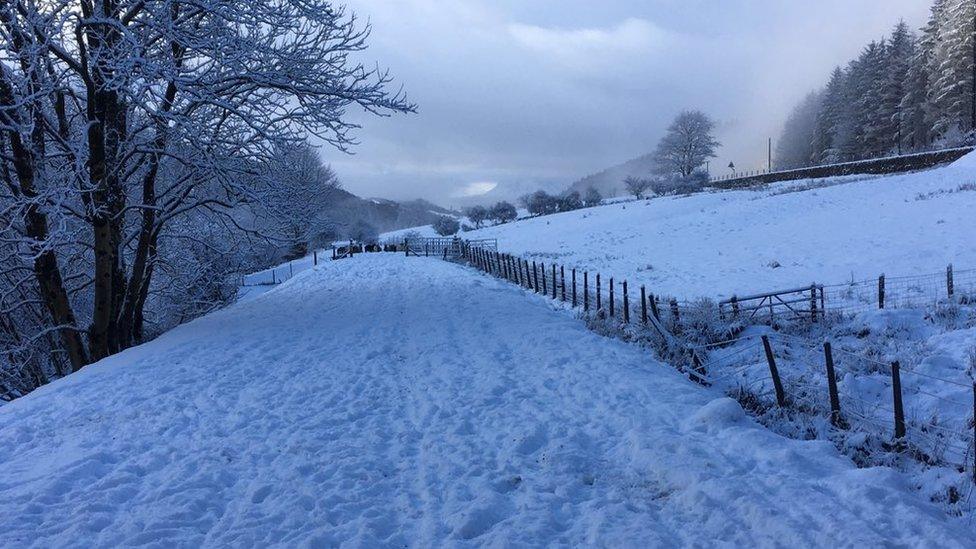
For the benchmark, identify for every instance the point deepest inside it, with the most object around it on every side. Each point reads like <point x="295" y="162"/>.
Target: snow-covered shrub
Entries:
<point x="680" y="186"/>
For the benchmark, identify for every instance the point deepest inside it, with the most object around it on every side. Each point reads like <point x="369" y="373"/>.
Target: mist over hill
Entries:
<point x="610" y="181"/>
<point x="381" y="213"/>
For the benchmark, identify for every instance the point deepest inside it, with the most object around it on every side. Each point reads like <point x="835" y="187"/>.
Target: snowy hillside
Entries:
<point x="720" y="243"/>
<point x="391" y="401"/>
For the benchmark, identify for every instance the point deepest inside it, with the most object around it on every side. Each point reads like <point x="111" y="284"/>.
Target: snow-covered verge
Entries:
<point x="935" y="349"/>
<point x="932" y="344"/>
<point x="392" y="401"/>
<point x="717" y="244"/>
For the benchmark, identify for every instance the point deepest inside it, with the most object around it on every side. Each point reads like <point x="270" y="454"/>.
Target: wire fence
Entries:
<point x="907" y="410"/>
<point x="911" y="411"/>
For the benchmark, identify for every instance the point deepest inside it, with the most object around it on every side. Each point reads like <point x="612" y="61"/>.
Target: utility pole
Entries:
<point x="769" y="155"/>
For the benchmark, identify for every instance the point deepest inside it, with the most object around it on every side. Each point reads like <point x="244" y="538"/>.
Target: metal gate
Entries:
<point x="449" y="247"/>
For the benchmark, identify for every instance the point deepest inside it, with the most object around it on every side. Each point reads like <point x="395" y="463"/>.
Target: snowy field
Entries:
<point x="722" y="243"/>
<point x="392" y="401"/>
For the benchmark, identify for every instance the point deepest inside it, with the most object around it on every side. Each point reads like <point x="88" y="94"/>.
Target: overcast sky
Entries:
<point x="523" y="94"/>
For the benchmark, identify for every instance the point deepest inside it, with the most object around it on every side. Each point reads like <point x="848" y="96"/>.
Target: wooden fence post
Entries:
<point x="699" y="369"/>
<point x="626" y="305"/>
<point x="273" y="277"/>
<point x="813" y="302"/>
<point x="654" y="310"/>
<point x="562" y="280"/>
<point x="774" y="372"/>
<point x="896" y="394"/>
<point x="426" y="249"/>
<point x="611" y="298"/>
<point x="643" y="305"/>
<point x="315" y="257"/>
<point x="545" y="290"/>
<point x="535" y="274"/>
<point x="832" y="386"/>
<point x="574" y="288"/>
<point x="598" y="298"/>
<point x="586" y="290"/>
<point x="735" y="307"/>
<point x="881" y="292"/>
<point x="675" y="312"/>
<point x="291" y="271"/>
<point x="554" y="281"/>
<point x="950" y="285"/>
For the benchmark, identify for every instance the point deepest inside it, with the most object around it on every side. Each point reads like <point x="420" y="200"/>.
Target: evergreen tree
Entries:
<point x="955" y="84"/>
<point x="900" y="94"/>
<point x="826" y="142"/>
<point x="796" y="145"/>
<point x="898" y="62"/>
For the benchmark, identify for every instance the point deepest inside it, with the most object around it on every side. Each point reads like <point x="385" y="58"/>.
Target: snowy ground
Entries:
<point x="722" y="243"/>
<point x="392" y="401"/>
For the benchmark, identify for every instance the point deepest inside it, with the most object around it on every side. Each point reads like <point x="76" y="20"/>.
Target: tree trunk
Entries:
<point x="46" y="268"/>
<point x="106" y="112"/>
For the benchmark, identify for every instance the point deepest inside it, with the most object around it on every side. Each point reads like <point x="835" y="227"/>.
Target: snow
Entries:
<point x="968" y="161"/>
<point x="392" y="401"/>
<point x="717" y="244"/>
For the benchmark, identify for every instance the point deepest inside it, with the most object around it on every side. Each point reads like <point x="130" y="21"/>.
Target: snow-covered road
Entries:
<point x="391" y="401"/>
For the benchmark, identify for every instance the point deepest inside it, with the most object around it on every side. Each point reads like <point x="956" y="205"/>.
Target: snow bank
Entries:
<point x="392" y="401"/>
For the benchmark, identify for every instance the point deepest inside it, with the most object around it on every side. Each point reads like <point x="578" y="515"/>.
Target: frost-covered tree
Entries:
<point x="637" y="186"/>
<point x="570" y="201"/>
<point x="477" y="215"/>
<point x="133" y="131"/>
<point x="295" y="191"/>
<point x="829" y="119"/>
<point x="540" y="203"/>
<point x="796" y="146"/>
<point x="903" y="93"/>
<point x="592" y="197"/>
<point x="953" y="88"/>
<point x="687" y="144"/>
<point x="900" y="55"/>
<point x="503" y="212"/>
<point x="446" y="226"/>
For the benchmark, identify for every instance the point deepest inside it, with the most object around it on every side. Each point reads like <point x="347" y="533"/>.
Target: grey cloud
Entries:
<point x="529" y="94"/>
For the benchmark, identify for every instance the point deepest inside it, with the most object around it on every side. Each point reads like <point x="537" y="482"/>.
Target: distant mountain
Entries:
<point x="610" y="182"/>
<point x="386" y="215"/>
